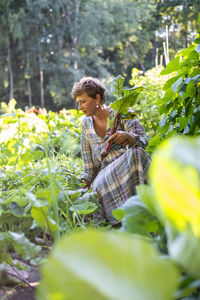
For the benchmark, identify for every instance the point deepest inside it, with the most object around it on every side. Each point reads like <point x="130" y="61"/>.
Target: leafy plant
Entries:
<point x="124" y="99"/>
<point x="177" y="203"/>
<point x="137" y="218"/>
<point x="181" y="101"/>
<point x="106" y="265"/>
<point x="153" y="83"/>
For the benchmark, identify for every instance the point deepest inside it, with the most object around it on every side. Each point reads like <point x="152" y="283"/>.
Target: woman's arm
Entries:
<point x="136" y="130"/>
<point x="133" y="133"/>
<point x="122" y="138"/>
<point x="88" y="164"/>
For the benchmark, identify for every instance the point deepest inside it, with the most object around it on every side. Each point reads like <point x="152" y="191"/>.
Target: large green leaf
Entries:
<point x="171" y="66"/>
<point x="84" y="208"/>
<point x="106" y="265"/>
<point x="21" y="244"/>
<point x="145" y="193"/>
<point x="175" y="175"/>
<point x="176" y="84"/>
<point x="116" y="86"/>
<point x="122" y="105"/>
<point x="136" y="218"/>
<point x="43" y="219"/>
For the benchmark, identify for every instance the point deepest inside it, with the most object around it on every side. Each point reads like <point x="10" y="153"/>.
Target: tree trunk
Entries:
<point x="28" y="82"/>
<point x="73" y="31"/>
<point x="41" y="82"/>
<point x="75" y="37"/>
<point x="155" y="51"/>
<point x="29" y="92"/>
<point x="10" y="70"/>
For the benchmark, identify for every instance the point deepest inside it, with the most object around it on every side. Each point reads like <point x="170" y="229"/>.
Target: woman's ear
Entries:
<point x="98" y="99"/>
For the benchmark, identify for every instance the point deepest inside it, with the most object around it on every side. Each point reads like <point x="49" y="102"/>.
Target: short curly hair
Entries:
<point x="91" y="86"/>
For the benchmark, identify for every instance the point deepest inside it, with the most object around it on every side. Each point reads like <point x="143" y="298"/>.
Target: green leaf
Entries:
<point x="16" y="209"/>
<point x="106" y="265"/>
<point x="37" y="155"/>
<point x="193" y="57"/>
<point x="183" y="122"/>
<point x="122" y="105"/>
<point x="175" y="181"/>
<point x="73" y="194"/>
<point x="22" y="245"/>
<point x="196" y="41"/>
<point x="153" y="143"/>
<point x="34" y="201"/>
<point x="163" y="130"/>
<point x="145" y="193"/>
<point x="170" y="82"/>
<point x="116" y="86"/>
<point x="176" y="85"/>
<point x="188" y="285"/>
<point x="136" y="218"/>
<point x="172" y="66"/>
<point x="190" y="91"/>
<point x="84" y="208"/>
<point x="197" y="49"/>
<point x="42" y="219"/>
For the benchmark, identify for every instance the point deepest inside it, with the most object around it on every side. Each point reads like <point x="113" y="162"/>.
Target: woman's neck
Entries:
<point x="100" y="120"/>
<point x="102" y="113"/>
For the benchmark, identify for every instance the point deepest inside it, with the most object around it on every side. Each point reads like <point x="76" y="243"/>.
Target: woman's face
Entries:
<point x="87" y="104"/>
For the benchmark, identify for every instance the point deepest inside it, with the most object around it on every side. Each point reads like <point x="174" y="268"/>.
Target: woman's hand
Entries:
<point x="122" y="137"/>
<point x="86" y="184"/>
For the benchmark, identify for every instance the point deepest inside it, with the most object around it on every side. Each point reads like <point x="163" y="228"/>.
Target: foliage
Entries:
<point x="124" y="98"/>
<point x="41" y="193"/>
<point x="106" y="265"/>
<point x="137" y="218"/>
<point x="180" y="103"/>
<point x="178" y="203"/>
<point x="164" y="215"/>
<point x="153" y="83"/>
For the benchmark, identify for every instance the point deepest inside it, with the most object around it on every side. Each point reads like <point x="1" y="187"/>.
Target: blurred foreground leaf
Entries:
<point x="175" y="178"/>
<point x="175" y="181"/>
<point x="106" y="265"/>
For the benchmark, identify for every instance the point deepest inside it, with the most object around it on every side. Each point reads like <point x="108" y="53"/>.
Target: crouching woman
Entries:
<point x="115" y="177"/>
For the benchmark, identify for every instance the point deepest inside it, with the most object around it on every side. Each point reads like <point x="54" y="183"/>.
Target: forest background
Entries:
<point x="46" y="45"/>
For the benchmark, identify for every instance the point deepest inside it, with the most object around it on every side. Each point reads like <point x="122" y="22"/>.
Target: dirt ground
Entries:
<point x="19" y="291"/>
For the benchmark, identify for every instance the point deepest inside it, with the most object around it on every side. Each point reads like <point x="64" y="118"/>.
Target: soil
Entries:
<point x="20" y="291"/>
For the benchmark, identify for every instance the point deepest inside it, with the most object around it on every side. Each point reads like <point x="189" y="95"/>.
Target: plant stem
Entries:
<point x="18" y="276"/>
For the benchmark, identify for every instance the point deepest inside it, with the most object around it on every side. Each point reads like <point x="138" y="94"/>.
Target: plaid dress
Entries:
<point x="116" y="177"/>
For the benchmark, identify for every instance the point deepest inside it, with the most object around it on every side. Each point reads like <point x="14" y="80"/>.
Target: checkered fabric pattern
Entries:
<point x="115" y="179"/>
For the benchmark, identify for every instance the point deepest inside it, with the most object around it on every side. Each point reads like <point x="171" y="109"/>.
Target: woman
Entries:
<point x="116" y="176"/>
